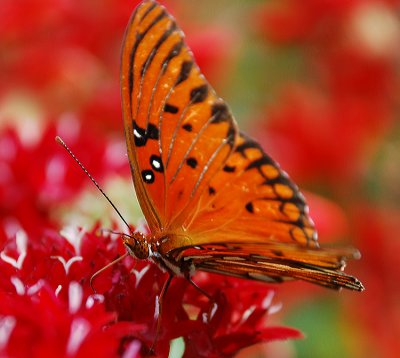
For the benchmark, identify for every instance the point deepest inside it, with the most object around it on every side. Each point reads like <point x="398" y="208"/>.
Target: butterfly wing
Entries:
<point x="211" y="193"/>
<point x="178" y="132"/>
<point x="253" y="223"/>
<point x="272" y="263"/>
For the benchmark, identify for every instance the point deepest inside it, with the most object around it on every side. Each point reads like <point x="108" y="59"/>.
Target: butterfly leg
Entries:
<point x="213" y="304"/>
<point x="160" y="309"/>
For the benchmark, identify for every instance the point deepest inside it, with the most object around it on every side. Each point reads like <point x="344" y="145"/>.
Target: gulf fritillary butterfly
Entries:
<point x="213" y="199"/>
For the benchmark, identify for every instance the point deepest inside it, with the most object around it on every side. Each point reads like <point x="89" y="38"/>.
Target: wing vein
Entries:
<point x="139" y="39"/>
<point x="145" y="67"/>
<point x="178" y="124"/>
<point x="195" y="140"/>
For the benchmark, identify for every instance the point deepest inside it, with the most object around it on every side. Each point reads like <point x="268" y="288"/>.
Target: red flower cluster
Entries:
<point x="329" y="127"/>
<point x="36" y="177"/>
<point x="63" y="56"/>
<point x="46" y="298"/>
<point x="376" y="231"/>
<point x="48" y="304"/>
<point x="331" y="131"/>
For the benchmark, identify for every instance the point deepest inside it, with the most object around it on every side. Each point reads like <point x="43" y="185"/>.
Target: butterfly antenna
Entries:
<point x="60" y="141"/>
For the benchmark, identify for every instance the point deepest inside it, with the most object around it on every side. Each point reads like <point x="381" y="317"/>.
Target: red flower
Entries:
<point x="376" y="314"/>
<point x="49" y="327"/>
<point x="317" y="137"/>
<point x="49" y="278"/>
<point x="36" y="177"/>
<point x="329" y="128"/>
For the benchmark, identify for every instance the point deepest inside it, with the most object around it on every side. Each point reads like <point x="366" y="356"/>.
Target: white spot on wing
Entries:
<point x="156" y="164"/>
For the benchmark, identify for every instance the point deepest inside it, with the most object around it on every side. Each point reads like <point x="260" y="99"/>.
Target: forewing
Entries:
<point x="178" y="132"/>
<point x="212" y="196"/>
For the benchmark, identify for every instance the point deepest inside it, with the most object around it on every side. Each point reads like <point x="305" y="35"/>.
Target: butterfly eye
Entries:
<point x="130" y="244"/>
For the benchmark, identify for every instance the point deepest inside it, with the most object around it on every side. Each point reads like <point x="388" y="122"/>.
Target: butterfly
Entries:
<point x="213" y="199"/>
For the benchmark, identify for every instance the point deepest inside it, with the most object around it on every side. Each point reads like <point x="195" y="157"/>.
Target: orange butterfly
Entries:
<point x="214" y="201"/>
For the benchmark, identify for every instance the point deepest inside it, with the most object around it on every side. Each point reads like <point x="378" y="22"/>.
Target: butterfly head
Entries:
<point x="137" y="245"/>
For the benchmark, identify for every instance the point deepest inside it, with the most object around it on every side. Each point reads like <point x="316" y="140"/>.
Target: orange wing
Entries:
<point x="179" y="133"/>
<point x="211" y="193"/>
<point x="253" y="223"/>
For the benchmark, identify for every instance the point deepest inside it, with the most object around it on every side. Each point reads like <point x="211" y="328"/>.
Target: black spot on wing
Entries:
<point x="220" y="113"/>
<point x="169" y="108"/>
<point x="185" y="72"/>
<point x="211" y="190"/>
<point x="199" y="94"/>
<point x="153" y="132"/>
<point x="187" y="127"/>
<point x="148" y="176"/>
<point x="250" y="207"/>
<point x="229" y="169"/>
<point x="278" y="253"/>
<point x="191" y="162"/>
<point x="141" y="135"/>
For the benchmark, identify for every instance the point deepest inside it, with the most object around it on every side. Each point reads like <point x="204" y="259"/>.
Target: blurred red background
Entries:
<point x="315" y="81"/>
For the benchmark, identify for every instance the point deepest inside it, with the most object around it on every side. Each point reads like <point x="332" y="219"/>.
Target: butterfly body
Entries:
<point x="150" y="247"/>
<point x="213" y="199"/>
